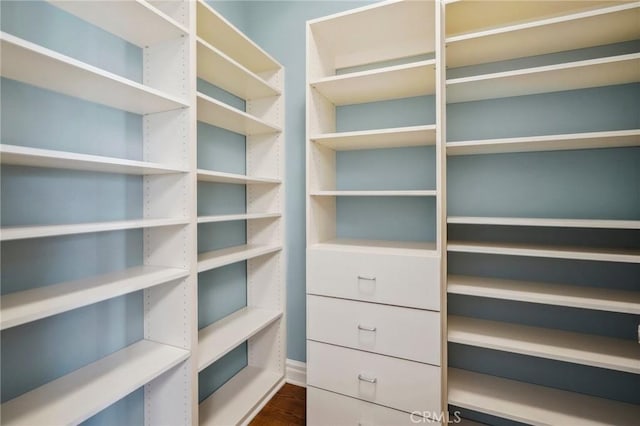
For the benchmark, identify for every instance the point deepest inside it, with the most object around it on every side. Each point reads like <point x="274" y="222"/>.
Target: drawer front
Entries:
<point x="412" y="281"/>
<point x="396" y="383"/>
<point x="389" y="330"/>
<point x="328" y="408"/>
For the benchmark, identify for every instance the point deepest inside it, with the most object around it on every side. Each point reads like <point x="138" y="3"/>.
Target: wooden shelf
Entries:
<point x="400" y="81"/>
<point x="240" y="397"/>
<point x="216" y="30"/>
<point x="600" y="299"/>
<point x="592" y="350"/>
<point x="557" y="252"/>
<point x="233" y="217"/>
<point x="31" y="305"/>
<point x="222" y="71"/>
<point x="543" y="222"/>
<point x="77" y="396"/>
<point x="386" y="193"/>
<point x="592" y="140"/>
<point x="221" y="177"/>
<point x="136" y="21"/>
<point x="591" y="28"/>
<point x="35" y="65"/>
<point x="355" y="37"/>
<point x="599" y="72"/>
<point x="222" y="336"/>
<point x="217" y="258"/>
<point x="409" y="248"/>
<point x="379" y="138"/>
<point x="219" y="114"/>
<point x="533" y="404"/>
<point x="35" y="157"/>
<point x="40" y="231"/>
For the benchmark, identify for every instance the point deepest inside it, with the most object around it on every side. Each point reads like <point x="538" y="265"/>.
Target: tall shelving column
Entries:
<point x="368" y="299"/>
<point x="229" y="60"/>
<point x="161" y="362"/>
<point x="599" y="239"/>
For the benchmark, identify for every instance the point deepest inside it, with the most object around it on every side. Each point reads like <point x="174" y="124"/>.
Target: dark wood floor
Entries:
<point x="286" y="408"/>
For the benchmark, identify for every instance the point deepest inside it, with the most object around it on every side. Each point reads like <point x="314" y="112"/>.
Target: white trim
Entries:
<point x="296" y="373"/>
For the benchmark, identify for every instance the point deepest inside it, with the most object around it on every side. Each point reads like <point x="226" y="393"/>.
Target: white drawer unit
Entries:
<point x="328" y="408"/>
<point x="404" y="385"/>
<point x="408" y="333"/>
<point x="404" y="280"/>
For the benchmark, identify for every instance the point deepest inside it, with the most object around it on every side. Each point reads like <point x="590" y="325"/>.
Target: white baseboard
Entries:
<point x="296" y="373"/>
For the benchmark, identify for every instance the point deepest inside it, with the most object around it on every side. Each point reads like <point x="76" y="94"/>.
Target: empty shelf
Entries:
<point x="240" y="397"/>
<point x="591" y="28"/>
<point x="400" y="81"/>
<point x="599" y="72"/>
<point x="385" y="193"/>
<point x="136" y="21"/>
<point x="380" y="138"/>
<point x="543" y="222"/>
<point x="41" y="231"/>
<point x="222" y="336"/>
<point x="534" y="404"/>
<point x="601" y="299"/>
<point x="31" y="305"/>
<point x="557" y="252"/>
<point x="222" y="71"/>
<point x="219" y="114"/>
<point x="222" y="177"/>
<point x="35" y="157"/>
<point x="217" y="258"/>
<point x="592" y="140"/>
<point x="32" y="64"/>
<point x="83" y="393"/>
<point x="233" y="217"/>
<point x="595" y="351"/>
<point x="409" y="248"/>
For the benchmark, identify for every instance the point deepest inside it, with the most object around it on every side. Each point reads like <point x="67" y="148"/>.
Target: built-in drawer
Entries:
<point x="397" y="383"/>
<point x="389" y="330"/>
<point x="395" y="279"/>
<point x="327" y="408"/>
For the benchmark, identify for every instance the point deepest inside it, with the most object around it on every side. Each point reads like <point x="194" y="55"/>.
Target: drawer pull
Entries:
<point x="366" y="278"/>
<point x="365" y="379"/>
<point x="364" y="328"/>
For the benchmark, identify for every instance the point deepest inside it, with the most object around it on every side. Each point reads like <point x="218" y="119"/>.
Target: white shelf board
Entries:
<point x="219" y="114"/>
<point x="560" y="223"/>
<point x="136" y="21"/>
<point x="599" y="72"/>
<point x="376" y="33"/>
<point x="600" y="299"/>
<point x="559" y="345"/>
<point x="233" y="217"/>
<point x="384" y="193"/>
<point x="412" y="248"/>
<point x="222" y="177"/>
<point x="216" y="30"/>
<point x="557" y="252"/>
<point x="222" y="71"/>
<point x="217" y="258"/>
<point x="217" y="339"/>
<point x="379" y="138"/>
<point x="35" y="157"/>
<point x="35" y="65"/>
<point x="534" y="404"/>
<point x="83" y="393"/>
<point x="591" y="28"/>
<point x="239" y="397"/>
<point x="399" y="81"/>
<point x="591" y="140"/>
<point x="31" y="305"/>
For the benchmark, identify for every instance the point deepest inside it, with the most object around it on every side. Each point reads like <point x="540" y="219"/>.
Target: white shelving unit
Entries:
<point x="161" y="362"/>
<point x="350" y="61"/>
<point x="226" y="58"/>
